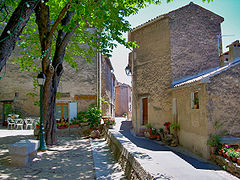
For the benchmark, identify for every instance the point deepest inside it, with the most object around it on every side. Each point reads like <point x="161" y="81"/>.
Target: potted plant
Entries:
<point x="213" y="141"/>
<point x="161" y="133"/>
<point x="36" y="130"/>
<point x="238" y="157"/>
<point x="167" y="126"/>
<point x="93" y="115"/>
<point x="153" y="133"/>
<point x="82" y="118"/>
<point x="74" y="124"/>
<point x="147" y="130"/>
<point x="124" y="115"/>
<point x="235" y="154"/>
<point x="62" y="125"/>
<point x="196" y="103"/>
<point x="174" y="128"/>
<point x="109" y="122"/>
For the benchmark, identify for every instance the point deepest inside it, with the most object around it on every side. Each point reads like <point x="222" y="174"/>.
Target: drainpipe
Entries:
<point x="97" y="77"/>
<point x="100" y="81"/>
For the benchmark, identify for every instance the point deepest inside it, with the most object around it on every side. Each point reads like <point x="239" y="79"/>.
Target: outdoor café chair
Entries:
<point x="19" y="123"/>
<point x="29" y="123"/>
<point x="11" y="123"/>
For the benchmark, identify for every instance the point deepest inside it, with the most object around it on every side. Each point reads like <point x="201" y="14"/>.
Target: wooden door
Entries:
<point x="144" y="111"/>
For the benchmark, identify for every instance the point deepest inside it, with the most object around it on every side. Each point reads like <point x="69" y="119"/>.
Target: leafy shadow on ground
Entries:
<point x="71" y="159"/>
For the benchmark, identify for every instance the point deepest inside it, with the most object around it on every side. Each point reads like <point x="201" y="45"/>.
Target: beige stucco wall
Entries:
<point x="123" y="100"/>
<point x="193" y="126"/>
<point x="152" y="72"/>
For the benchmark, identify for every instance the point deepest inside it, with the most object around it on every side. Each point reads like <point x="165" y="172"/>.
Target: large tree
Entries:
<point x="86" y="27"/>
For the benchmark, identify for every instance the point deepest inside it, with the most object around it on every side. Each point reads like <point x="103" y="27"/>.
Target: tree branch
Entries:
<point x="8" y="45"/>
<point x="58" y="20"/>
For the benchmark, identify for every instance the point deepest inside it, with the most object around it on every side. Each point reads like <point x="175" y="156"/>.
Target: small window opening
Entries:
<point x="195" y="100"/>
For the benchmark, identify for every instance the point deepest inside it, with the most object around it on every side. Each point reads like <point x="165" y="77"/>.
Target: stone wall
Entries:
<point x="152" y="72"/>
<point x="107" y="84"/>
<point x="223" y="105"/>
<point x="132" y="168"/>
<point x="82" y="82"/>
<point x="231" y="167"/>
<point x="194" y="42"/>
<point x="14" y="86"/>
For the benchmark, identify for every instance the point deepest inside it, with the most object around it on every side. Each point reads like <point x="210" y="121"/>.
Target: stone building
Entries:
<point x="108" y="88"/>
<point x="123" y="101"/>
<point x="76" y="91"/>
<point x="176" y="47"/>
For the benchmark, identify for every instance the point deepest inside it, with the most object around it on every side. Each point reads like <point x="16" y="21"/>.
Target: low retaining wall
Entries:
<point x="229" y="166"/>
<point x="131" y="167"/>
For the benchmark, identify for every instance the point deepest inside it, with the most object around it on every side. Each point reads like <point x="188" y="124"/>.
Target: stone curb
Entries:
<point x="129" y="164"/>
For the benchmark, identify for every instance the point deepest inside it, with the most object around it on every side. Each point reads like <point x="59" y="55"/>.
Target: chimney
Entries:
<point x="234" y="50"/>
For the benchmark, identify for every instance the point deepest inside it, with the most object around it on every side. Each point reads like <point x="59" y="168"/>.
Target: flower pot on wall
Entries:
<point x="234" y="159"/>
<point x="238" y="161"/>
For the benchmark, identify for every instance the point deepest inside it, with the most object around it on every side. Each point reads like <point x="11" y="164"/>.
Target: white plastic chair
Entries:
<point x="11" y="122"/>
<point x="19" y="123"/>
<point x="29" y="123"/>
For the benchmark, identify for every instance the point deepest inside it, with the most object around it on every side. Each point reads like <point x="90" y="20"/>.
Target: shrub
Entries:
<point x="93" y="116"/>
<point x="81" y="116"/>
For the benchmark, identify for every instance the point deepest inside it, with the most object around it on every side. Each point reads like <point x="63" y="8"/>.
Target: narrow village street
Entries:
<point x="84" y="158"/>
<point x="163" y="162"/>
<point x="119" y="90"/>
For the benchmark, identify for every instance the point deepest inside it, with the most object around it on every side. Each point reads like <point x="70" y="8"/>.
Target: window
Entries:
<point x="62" y="112"/>
<point x="195" y="100"/>
<point x="226" y="59"/>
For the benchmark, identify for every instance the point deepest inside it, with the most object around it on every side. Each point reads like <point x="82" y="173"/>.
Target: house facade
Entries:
<point x="76" y="91"/>
<point x="107" y="88"/>
<point x="174" y="48"/>
<point x="123" y="101"/>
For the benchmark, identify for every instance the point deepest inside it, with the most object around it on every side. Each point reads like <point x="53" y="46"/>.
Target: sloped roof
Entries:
<point x="167" y="14"/>
<point x="203" y="76"/>
<point x="226" y="53"/>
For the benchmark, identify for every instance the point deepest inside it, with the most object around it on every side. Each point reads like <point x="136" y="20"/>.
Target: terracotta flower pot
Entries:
<point x="220" y="153"/>
<point x="234" y="159"/>
<point x="62" y="127"/>
<point x="229" y="158"/>
<point x="73" y="125"/>
<point x="238" y="161"/>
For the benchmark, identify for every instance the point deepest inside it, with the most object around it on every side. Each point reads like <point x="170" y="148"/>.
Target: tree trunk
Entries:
<point x="52" y="71"/>
<point x="51" y="87"/>
<point x="7" y="44"/>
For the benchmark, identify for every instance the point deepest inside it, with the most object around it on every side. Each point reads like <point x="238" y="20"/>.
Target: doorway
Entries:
<point x="144" y="111"/>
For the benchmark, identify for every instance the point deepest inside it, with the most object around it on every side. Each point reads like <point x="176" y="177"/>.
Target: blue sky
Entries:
<point x="228" y="9"/>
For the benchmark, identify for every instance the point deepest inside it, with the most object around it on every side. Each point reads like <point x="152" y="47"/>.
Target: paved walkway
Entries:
<point x="71" y="159"/>
<point x="164" y="163"/>
<point x="105" y="166"/>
